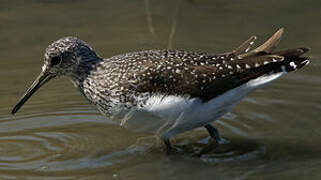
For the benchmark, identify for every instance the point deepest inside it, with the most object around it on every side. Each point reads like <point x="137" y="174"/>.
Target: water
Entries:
<point x="273" y="133"/>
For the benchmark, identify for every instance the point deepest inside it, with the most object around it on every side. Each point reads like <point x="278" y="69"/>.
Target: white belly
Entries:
<point x="168" y="115"/>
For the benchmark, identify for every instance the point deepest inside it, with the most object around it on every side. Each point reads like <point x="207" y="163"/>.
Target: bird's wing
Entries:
<point x="245" y="46"/>
<point x="266" y="47"/>
<point x="207" y="76"/>
<point x="202" y="78"/>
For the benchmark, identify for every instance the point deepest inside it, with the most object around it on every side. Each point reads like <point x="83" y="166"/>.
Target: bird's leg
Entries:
<point x="167" y="142"/>
<point x="213" y="133"/>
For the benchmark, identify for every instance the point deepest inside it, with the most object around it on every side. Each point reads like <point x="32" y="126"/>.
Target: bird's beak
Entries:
<point x="41" y="80"/>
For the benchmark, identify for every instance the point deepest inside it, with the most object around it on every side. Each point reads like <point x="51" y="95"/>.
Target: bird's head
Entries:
<point x="62" y="57"/>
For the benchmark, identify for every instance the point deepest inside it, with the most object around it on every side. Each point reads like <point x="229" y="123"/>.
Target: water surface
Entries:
<point x="273" y="133"/>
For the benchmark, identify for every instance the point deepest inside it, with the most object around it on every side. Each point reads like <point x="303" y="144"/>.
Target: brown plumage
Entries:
<point x="206" y="76"/>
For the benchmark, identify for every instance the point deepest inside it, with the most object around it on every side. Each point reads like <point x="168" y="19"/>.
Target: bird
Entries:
<point x="167" y="92"/>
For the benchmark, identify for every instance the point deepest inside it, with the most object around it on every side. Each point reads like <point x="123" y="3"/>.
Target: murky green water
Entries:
<point x="273" y="133"/>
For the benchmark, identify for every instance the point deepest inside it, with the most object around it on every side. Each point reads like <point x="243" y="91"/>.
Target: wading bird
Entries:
<point x="173" y="91"/>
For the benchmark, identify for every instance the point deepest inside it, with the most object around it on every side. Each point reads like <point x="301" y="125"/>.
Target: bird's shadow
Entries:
<point x="236" y="148"/>
<point x="205" y="147"/>
<point x="232" y="149"/>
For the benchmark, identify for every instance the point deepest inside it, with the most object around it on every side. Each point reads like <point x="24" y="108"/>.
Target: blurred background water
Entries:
<point x="273" y="133"/>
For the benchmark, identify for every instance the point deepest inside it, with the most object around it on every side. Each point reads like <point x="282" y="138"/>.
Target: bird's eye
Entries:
<point x="55" y="60"/>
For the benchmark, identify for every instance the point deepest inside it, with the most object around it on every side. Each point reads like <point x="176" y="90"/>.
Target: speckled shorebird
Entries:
<point x="166" y="91"/>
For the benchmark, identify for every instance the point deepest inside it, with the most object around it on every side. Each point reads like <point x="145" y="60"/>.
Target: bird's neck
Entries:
<point x="84" y="78"/>
<point x="86" y="65"/>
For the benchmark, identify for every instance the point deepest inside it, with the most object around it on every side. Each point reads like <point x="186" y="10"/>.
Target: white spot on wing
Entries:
<point x="293" y="64"/>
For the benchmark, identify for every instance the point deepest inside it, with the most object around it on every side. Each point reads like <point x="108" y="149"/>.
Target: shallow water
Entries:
<point x="273" y="133"/>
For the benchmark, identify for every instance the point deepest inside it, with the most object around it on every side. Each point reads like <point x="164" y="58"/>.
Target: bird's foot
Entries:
<point x="207" y="149"/>
<point x="169" y="148"/>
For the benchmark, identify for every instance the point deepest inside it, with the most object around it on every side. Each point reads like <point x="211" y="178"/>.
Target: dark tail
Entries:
<point x="293" y="59"/>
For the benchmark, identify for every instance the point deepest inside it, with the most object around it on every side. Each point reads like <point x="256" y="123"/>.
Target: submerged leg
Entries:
<point x="213" y="133"/>
<point x="168" y="144"/>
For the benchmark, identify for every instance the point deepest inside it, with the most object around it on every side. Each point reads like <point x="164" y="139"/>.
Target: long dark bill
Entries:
<point x="41" y="80"/>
